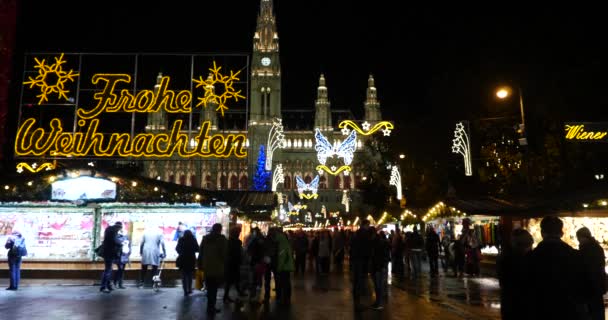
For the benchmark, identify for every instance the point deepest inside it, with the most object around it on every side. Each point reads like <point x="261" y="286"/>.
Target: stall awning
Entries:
<point x="486" y="206"/>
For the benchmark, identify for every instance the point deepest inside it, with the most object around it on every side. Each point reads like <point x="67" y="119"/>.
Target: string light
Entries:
<point x="277" y="177"/>
<point x="395" y="180"/>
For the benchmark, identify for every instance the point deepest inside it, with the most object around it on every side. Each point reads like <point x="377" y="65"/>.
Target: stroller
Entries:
<point x="156" y="280"/>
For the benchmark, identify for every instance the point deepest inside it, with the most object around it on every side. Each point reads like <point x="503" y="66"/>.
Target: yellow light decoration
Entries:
<point x="308" y="196"/>
<point x="53" y="71"/>
<point x="366" y="131"/>
<point x="35" y="167"/>
<point x="336" y="172"/>
<point x="38" y="142"/>
<point x="209" y="86"/>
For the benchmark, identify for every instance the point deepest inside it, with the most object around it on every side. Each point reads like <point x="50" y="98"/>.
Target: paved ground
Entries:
<point x="313" y="298"/>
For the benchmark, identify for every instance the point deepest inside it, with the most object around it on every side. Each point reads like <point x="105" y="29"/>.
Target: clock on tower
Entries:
<point x="265" y="61"/>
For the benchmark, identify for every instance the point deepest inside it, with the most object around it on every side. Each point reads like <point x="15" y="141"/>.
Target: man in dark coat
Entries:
<point x="594" y="264"/>
<point x="212" y="260"/>
<point x="512" y="268"/>
<point x="432" y="250"/>
<point x="233" y="265"/>
<point x="301" y="247"/>
<point x="555" y="275"/>
<point x="360" y="254"/>
<point x="381" y="255"/>
<point x="112" y="249"/>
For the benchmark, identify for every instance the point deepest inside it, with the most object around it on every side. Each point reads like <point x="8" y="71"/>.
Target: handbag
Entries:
<point x="198" y="280"/>
<point x="99" y="250"/>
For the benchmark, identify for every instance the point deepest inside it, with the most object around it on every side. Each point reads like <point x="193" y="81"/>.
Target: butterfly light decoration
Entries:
<point x="344" y="150"/>
<point x="313" y="186"/>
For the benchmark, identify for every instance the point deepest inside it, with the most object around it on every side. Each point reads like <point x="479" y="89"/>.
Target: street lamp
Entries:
<point x="503" y="93"/>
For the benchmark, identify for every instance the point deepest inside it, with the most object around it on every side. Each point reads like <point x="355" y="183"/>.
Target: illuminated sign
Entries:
<point x="587" y="131"/>
<point x="83" y="188"/>
<point x="86" y="133"/>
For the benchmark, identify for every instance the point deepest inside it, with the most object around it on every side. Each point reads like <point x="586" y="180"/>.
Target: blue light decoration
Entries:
<point x="260" y="179"/>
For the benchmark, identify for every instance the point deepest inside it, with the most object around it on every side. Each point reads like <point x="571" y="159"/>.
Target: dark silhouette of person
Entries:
<point x="555" y="273"/>
<point x="512" y="270"/>
<point x="432" y="250"/>
<point x="360" y="254"/>
<point x="594" y="264"/>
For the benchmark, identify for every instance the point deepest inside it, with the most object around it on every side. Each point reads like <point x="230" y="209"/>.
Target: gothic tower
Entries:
<point x="322" y="107"/>
<point x="265" y="95"/>
<point x="371" y="104"/>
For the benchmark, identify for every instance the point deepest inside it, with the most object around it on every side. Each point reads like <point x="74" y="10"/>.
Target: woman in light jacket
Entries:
<point x="150" y="248"/>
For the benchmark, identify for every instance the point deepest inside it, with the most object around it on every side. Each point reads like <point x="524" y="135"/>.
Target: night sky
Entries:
<point x="433" y="65"/>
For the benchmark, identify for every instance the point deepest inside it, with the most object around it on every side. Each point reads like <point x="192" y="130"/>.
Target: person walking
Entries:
<point x="301" y="247"/>
<point x="338" y="245"/>
<point x="417" y="243"/>
<point x="380" y="258"/>
<point x="255" y="251"/>
<point x="285" y="266"/>
<point x="555" y="275"/>
<point x="271" y="251"/>
<point x="150" y="251"/>
<point x="432" y="250"/>
<point x="472" y="250"/>
<point x="324" y="252"/>
<point x="512" y="267"/>
<point x="186" y="248"/>
<point x="16" y="251"/>
<point x="233" y="263"/>
<point x="212" y="260"/>
<point x="594" y="264"/>
<point x="396" y="246"/>
<point x="121" y="262"/>
<point x="360" y="253"/>
<point x="112" y="249"/>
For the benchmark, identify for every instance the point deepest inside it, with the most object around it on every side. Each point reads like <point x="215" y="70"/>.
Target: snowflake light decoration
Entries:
<point x="220" y="98"/>
<point x="51" y="79"/>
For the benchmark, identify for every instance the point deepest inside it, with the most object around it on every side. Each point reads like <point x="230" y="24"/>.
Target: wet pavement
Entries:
<point x="313" y="298"/>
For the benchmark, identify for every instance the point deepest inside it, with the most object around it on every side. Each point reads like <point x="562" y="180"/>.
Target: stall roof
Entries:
<point x="249" y="202"/>
<point x="485" y="206"/>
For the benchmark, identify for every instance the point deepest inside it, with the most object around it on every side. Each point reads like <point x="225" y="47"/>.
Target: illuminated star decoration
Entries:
<point x="54" y="71"/>
<point x="277" y="177"/>
<point x="302" y="187"/>
<point x="461" y="145"/>
<point x="395" y="180"/>
<point x="34" y="167"/>
<point x="228" y="93"/>
<point x="276" y="139"/>
<point x="365" y="129"/>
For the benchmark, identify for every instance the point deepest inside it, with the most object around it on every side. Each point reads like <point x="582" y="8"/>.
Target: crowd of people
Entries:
<point x="551" y="281"/>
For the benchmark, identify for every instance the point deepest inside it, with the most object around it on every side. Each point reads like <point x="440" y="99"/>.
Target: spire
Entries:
<point x="157" y="120"/>
<point x="322" y="110"/>
<point x="371" y="104"/>
<point x="322" y="91"/>
<point x="266" y="38"/>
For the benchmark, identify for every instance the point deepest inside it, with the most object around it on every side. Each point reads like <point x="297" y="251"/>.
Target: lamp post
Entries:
<point x="503" y="93"/>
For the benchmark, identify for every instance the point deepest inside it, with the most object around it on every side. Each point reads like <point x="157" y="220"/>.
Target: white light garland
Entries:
<point x="396" y="181"/>
<point x="277" y="176"/>
<point x="276" y="139"/>
<point x="462" y="145"/>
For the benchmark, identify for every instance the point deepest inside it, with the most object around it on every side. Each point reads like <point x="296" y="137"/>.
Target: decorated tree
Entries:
<point x="261" y="177"/>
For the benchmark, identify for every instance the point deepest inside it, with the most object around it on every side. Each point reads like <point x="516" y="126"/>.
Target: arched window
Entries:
<point x="243" y="184"/>
<point x="208" y="183"/>
<point x="172" y="178"/>
<point x="223" y="182"/>
<point x="183" y="179"/>
<point x="307" y="179"/>
<point x="234" y="182"/>
<point x="322" y="183"/>
<point x="337" y="182"/>
<point x="287" y="183"/>
<point x="193" y="181"/>
<point x="346" y="182"/>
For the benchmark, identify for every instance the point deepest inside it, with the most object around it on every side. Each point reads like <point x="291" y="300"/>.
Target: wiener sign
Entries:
<point x="586" y="131"/>
<point x="113" y="94"/>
